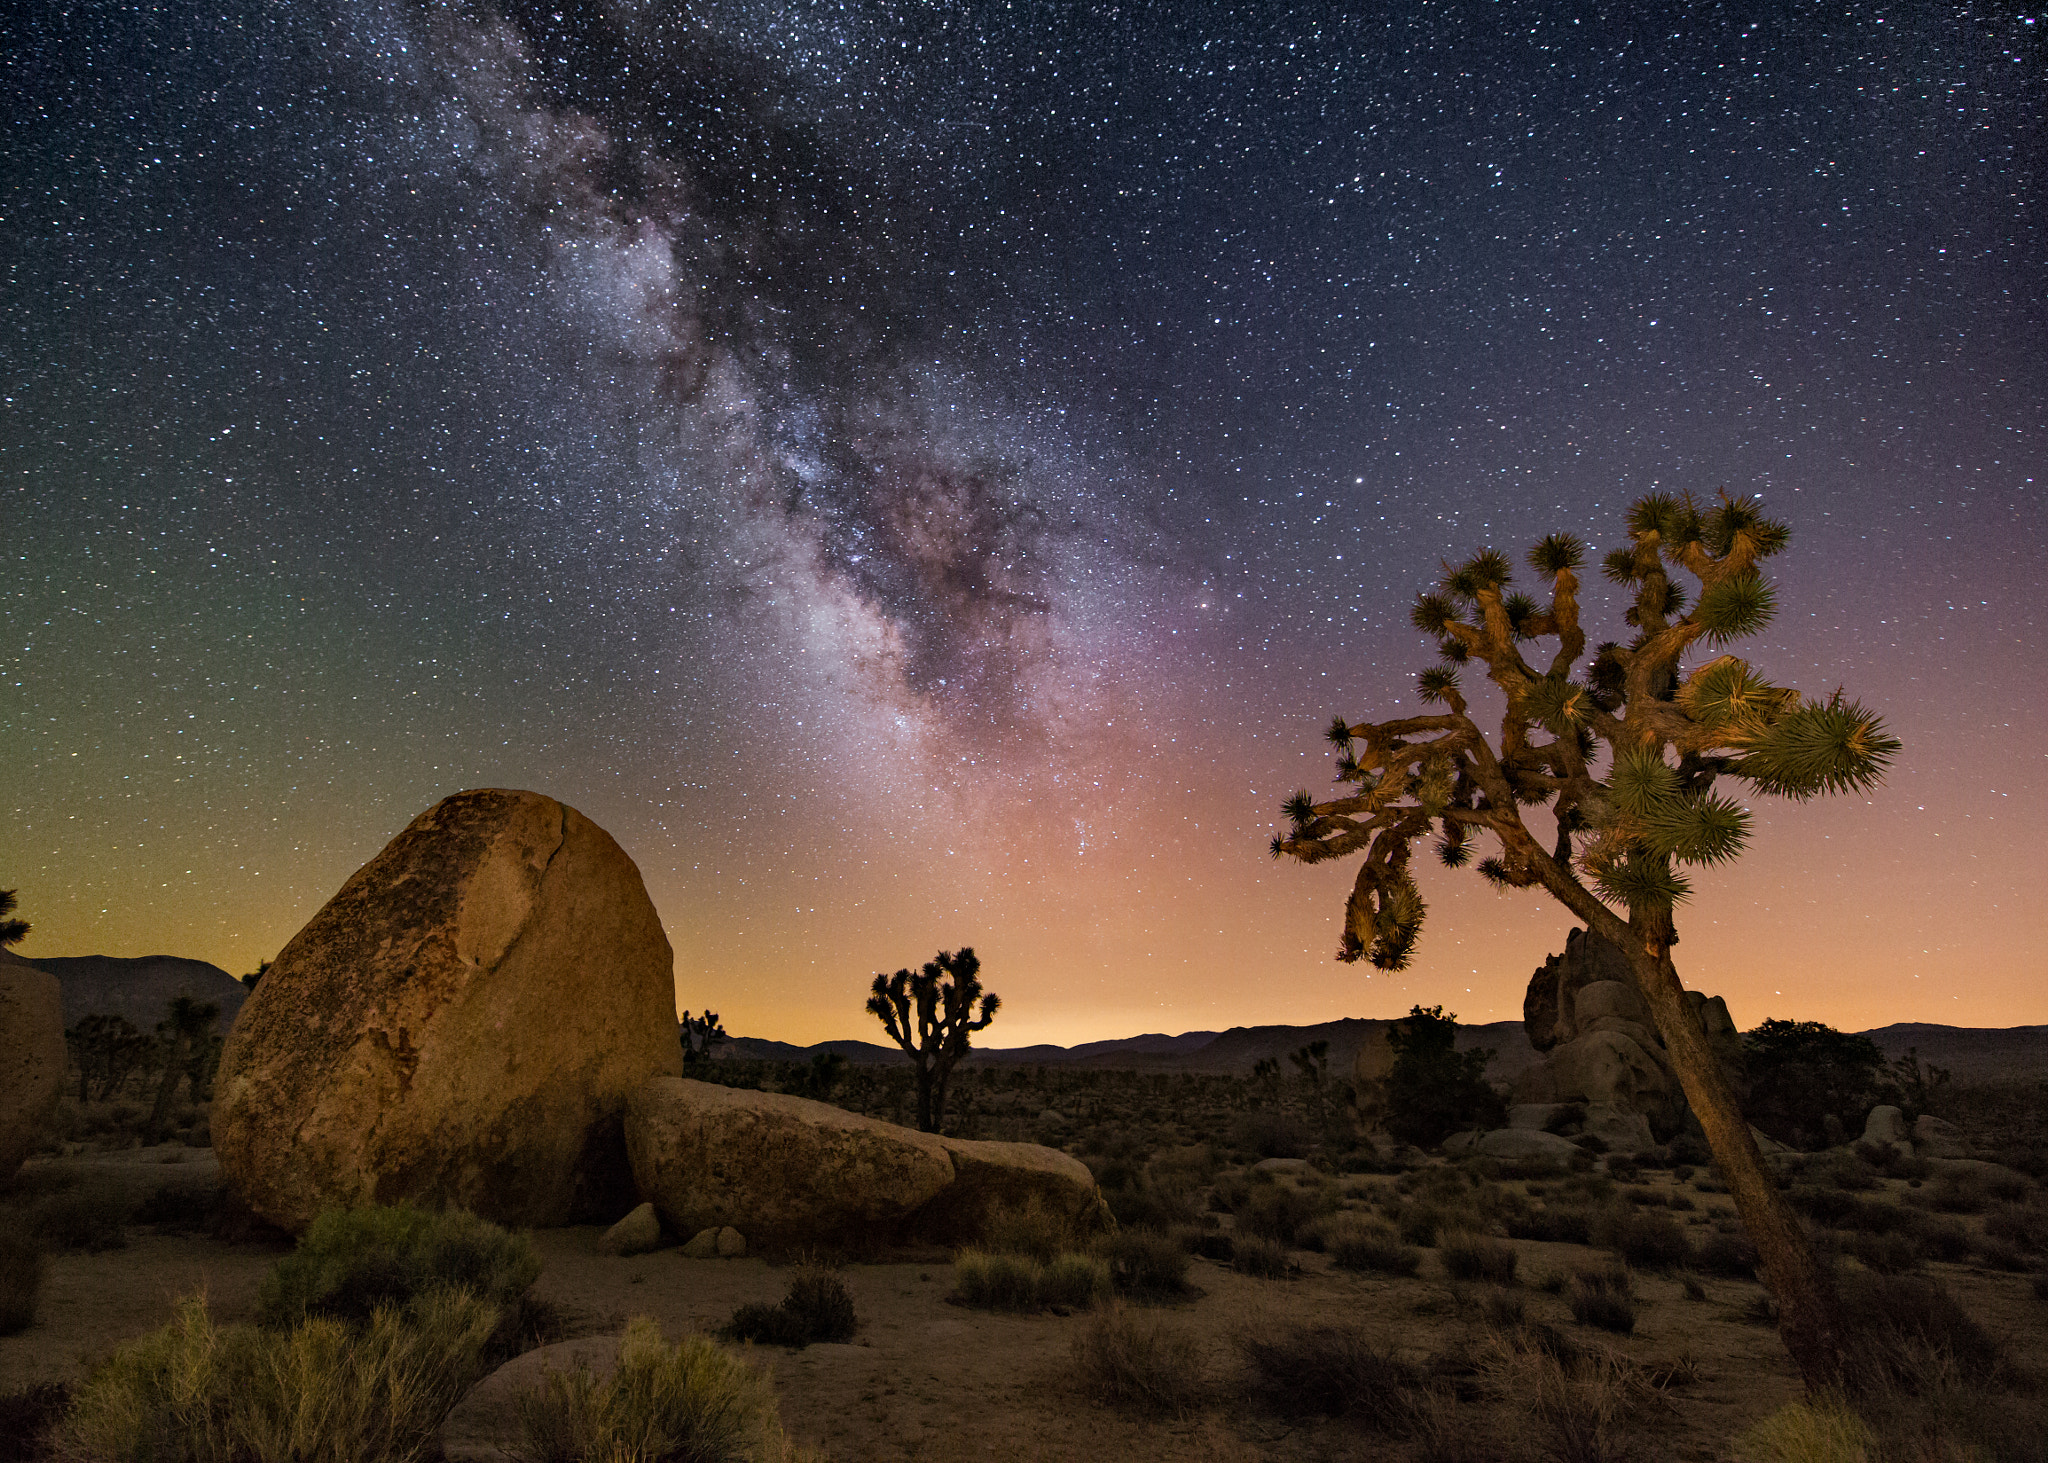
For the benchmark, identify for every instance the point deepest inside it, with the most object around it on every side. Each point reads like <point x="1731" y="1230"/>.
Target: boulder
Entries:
<point x="484" y="1426"/>
<point x="461" y="1024"/>
<point x="1549" y="1006"/>
<point x="1460" y="1144"/>
<point x="732" y="1245"/>
<point x="1886" y="1124"/>
<point x="636" y="1234"/>
<point x="1635" y="1031"/>
<point x="1536" y="1117"/>
<point x="1609" y="1068"/>
<point x="703" y="1245"/>
<point x="793" y="1171"/>
<point x="32" y="1059"/>
<point x="988" y="1176"/>
<point x="1935" y="1137"/>
<point x="1610" y="999"/>
<point x="1535" y="1087"/>
<point x="1622" y="1129"/>
<point x="1523" y="1143"/>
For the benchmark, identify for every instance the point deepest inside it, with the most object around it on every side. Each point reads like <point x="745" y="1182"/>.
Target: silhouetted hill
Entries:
<point x="139" y="988"/>
<point x="1971" y="1053"/>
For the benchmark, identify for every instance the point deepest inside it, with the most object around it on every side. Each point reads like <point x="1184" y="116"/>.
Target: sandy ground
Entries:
<point x="928" y="1380"/>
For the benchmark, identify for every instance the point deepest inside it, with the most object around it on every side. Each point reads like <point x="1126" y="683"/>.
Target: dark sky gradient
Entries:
<point x="924" y="476"/>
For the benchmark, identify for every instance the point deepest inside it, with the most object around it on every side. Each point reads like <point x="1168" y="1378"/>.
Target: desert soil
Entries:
<point x="930" y="1380"/>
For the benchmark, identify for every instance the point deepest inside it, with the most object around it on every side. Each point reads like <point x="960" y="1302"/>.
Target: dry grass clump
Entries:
<point x="1600" y="1298"/>
<point x="1643" y="1240"/>
<point x="1029" y="1229"/>
<point x="23" y="1268"/>
<point x="1577" y="1400"/>
<point x="1000" y="1282"/>
<point x="690" y="1401"/>
<point x="817" y="1307"/>
<point x="1799" y="1433"/>
<point x="320" y="1392"/>
<point x="1475" y="1257"/>
<point x="1332" y="1371"/>
<point x="1140" y="1361"/>
<point x="1264" y="1258"/>
<point x="1146" y="1264"/>
<point x="353" y="1262"/>
<point x="1366" y="1244"/>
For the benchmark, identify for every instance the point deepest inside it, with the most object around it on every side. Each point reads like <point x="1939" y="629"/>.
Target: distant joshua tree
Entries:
<point x="12" y="931"/>
<point x="930" y="1015"/>
<point x="253" y="977"/>
<point x="1624" y="756"/>
<point x="191" y="1051"/>
<point x="700" y="1034"/>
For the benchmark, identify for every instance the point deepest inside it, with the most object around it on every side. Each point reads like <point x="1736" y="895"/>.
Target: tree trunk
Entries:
<point x="1809" y="1316"/>
<point x="167" y="1089"/>
<point x="924" y="1099"/>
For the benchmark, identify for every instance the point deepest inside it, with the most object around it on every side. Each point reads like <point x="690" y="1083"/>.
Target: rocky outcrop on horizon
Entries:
<point x="461" y="1024"/>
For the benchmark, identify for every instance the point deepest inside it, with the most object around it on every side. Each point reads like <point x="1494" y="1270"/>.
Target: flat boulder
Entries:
<point x="1525" y="1143"/>
<point x="785" y="1170"/>
<point x="461" y="1024"/>
<point x="32" y="1058"/>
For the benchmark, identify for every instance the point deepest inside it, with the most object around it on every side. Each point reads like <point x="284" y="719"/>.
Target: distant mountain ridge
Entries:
<point x="138" y="988"/>
<point x="1969" y="1053"/>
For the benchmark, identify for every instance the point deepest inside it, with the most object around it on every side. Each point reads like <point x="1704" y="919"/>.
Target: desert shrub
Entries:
<point x="1029" y="1229"/>
<point x="318" y="1392"/>
<point x="1901" y="1330"/>
<point x="1420" y="1224"/>
<point x="29" y="1416"/>
<point x="1838" y="1210"/>
<point x="1888" y="1254"/>
<point x="2002" y="1256"/>
<point x="1556" y="1223"/>
<point x="1434" y="1090"/>
<point x="1331" y="1371"/>
<point x="1135" y="1200"/>
<point x="1139" y="1361"/>
<point x="1621" y="1167"/>
<point x="2041" y="1287"/>
<point x="2020" y="1225"/>
<point x="1954" y="1192"/>
<point x="81" y="1219"/>
<point x="1264" y="1258"/>
<point x="23" y="1269"/>
<point x="1475" y="1257"/>
<point x="350" y="1262"/>
<point x="1370" y="1245"/>
<point x="1803" y="1433"/>
<point x="1601" y="1298"/>
<point x="817" y="1307"/>
<point x="1075" y="1280"/>
<point x="690" y="1401"/>
<point x="1276" y="1212"/>
<point x="1269" y="1133"/>
<point x="1576" y="1406"/>
<point x="1643" y="1240"/>
<point x="1729" y="1256"/>
<point x="1802" y="1073"/>
<point x="1144" y="1262"/>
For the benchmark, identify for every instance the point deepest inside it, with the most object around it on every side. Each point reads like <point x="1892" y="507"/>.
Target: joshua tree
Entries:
<point x="1624" y="755"/>
<point x="930" y="1015"/>
<point x="191" y="1050"/>
<point x="700" y="1034"/>
<point x="12" y="931"/>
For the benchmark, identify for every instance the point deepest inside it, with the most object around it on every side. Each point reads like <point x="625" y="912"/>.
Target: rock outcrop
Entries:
<point x="31" y="1058"/>
<point x="787" y="1171"/>
<point x="461" y="1024"/>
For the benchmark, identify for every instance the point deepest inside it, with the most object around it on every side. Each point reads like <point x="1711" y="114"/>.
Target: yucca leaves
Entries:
<point x="1641" y="781"/>
<point x="1642" y="880"/>
<point x="1620" y="566"/>
<point x="1300" y="809"/>
<point x="1432" y="614"/>
<point x="1339" y="732"/>
<point x="1437" y="684"/>
<point x="1728" y="693"/>
<point x="1487" y="569"/>
<point x="1697" y="830"/>
<point x="1383" y="918"/>
<point x="1743" y="517"/>
<point x="1559" y="704"/>
<point x="1557" y="553"/>
<point x="1736" y="607"/>
<point x="1832" y="748"/>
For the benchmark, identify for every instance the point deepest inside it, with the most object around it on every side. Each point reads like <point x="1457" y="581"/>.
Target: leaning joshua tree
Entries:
<point x="1623" y="755"/>
<point x="931" y="1014"/>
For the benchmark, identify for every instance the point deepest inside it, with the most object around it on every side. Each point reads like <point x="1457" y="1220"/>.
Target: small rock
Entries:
<point x="732" y="1245"/>
<point x="1935" y="1137"/>
<point x="1886" y="1124"/>
<point x="703" y="1245"/>
<point x="636" y="1234"/>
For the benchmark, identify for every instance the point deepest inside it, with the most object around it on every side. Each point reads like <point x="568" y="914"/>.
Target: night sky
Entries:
<point x="926" y="475"/>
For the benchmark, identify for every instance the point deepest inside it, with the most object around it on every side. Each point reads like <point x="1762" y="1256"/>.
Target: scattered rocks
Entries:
<point x="461" y="1024"/>
<point x="636" y="1234"/>
<point x="32" y="1059"/>
<point x="1549" y="1006"/>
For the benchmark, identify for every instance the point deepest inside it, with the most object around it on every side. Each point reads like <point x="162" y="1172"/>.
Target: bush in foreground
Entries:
<point x="1000" y="1282"/>
<point x="690" y="1401"/>
<point x="1146" y="1263"/>
<point x="1139" y="1361"/>
<point x="818" y="1307"/>
<point x="351" y="1262"/>
<point x="1332" y="1371"/>
<point x="1600" y="1298"/>
<point x="1475" y="1257"/>
<point x="319" y="1392"/>
<point x="1370" y="1246"/>
<point x="1801" y="1433"/>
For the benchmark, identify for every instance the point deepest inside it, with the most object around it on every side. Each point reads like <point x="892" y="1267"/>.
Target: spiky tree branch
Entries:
<point x="1625" y="751"/>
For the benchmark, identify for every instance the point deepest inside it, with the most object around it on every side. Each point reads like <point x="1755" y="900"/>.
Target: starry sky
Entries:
<point x="925" y="474"/>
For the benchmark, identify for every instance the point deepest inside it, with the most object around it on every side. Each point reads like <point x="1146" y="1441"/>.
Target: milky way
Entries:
<point x="922" y="475"/>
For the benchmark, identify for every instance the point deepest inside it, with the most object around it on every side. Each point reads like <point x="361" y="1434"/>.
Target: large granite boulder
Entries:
<point x="31" y="1058"/>
<point x="787" y="1171"/>
<point x="461" y="1024"/>
<point x="1549" y="1006"/>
